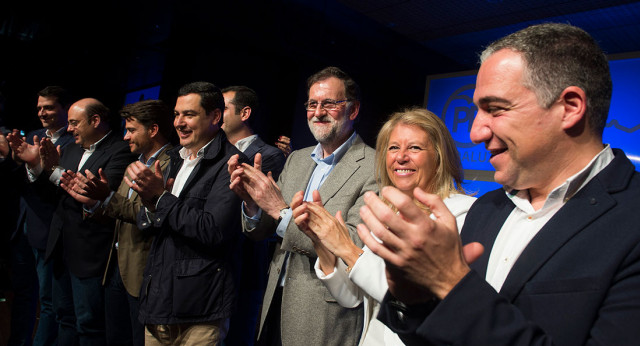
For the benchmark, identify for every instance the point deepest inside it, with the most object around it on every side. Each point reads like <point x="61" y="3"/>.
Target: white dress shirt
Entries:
<point x="524" y="222"/>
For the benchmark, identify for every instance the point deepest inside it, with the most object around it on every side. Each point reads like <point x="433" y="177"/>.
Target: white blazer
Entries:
<point x="367" y="282"/>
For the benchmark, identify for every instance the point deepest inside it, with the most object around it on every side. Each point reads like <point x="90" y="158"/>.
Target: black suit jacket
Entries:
<point x="84" y="244"/>
<point x="576" y="283"/>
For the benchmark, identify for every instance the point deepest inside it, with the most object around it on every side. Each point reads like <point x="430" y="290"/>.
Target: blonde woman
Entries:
<point x="413" y="149"/>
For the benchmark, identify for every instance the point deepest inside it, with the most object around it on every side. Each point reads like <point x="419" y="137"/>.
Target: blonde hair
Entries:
<point x="448" y="176"/>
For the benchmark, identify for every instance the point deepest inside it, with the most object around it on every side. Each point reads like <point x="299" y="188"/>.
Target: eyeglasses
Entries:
<point x="327" y="105"/>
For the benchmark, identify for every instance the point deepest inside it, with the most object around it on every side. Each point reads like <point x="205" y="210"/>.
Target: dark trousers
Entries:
<point x="24" y="283"/>
<point x="123" y="326"/>
<point x="47" y="331"/>
<point x="270" y="335"/>
<point x="79" y="306"/>
<point x="242" y="329"/>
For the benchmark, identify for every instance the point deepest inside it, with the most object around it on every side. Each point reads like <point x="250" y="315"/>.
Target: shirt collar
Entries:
<point x="93" y="146"/>
<point x="571" y="186"/>
<point x="337" y="154"/>
<point x="186" y="153"/>
<point x="244" y="143"/>
<point x="153" y="157"/>
<point x="55" y="135"/>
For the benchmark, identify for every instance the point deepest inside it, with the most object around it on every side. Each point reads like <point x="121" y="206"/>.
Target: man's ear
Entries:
<point x="354" y="110"/>
<point x="153" y="130"/>
<point x="574" y="102"/>
<point x="95" y="121"/>
<point x="245" y="113"/>
<point x="217" y="115"/>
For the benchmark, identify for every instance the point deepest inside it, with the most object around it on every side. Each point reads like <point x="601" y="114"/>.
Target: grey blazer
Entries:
<point x="310" y="315"/>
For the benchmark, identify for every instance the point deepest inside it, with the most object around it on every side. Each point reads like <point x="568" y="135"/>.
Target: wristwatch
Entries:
<point x="283" y="212"/>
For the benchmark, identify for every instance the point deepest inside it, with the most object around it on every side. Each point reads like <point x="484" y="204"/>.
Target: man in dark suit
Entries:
<point x="241" y="110"/>
<point x="561" y="260"/>
<point x="79" y="248"/>
<point x="188" y="290"/>
<point x="31" y="276"/>
<point x="148" y="130"/>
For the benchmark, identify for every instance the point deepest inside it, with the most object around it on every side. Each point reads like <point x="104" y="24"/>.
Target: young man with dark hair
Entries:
<point x="188" y="290"/>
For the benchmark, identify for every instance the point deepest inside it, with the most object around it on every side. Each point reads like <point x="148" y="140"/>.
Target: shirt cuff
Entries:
<point x="33" y="173"/>
<point x="251" y="221"/>
<point x="284" y="222"/>
<point x="55" y="176"/>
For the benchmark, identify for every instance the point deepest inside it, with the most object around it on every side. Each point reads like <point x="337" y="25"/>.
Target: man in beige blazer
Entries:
<point x="148" y="130"/>
<point x="297" y="308"/>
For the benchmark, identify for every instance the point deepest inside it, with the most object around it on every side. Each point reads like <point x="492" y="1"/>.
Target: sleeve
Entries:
<point x="266" y="225"/>
<point x="369" y="273"/>
<point x="208" y="215"/>
<point x="481" y="316"/>
<point x="123" y="208"/>
<point x="349" y="199"/>
<point x="116" y="166"/>
<point x="341" y="288"/>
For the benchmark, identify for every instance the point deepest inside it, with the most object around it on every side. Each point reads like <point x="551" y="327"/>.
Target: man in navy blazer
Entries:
<point x="188" y="292"/>
<point x="31" y="276"/>
<point x="240" y="112"/>
<point x="561" y="260"/>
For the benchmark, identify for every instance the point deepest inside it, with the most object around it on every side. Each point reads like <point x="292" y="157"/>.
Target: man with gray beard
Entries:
<point x="297" y="308"/>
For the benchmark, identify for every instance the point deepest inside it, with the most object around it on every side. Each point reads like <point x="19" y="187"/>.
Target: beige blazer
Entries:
<point x="310" y="315"/>
<point x="133" y="245"/>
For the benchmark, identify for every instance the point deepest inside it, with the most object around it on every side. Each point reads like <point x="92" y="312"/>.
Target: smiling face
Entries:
<point x="410" y="159"/>
<point x="51" y="113"/>
<point x="82" y="127"/>
<point x="330" y="127"/>
<point x="194" y="126"/>
<point x="138" y="136"/>
<point x="521" y="136"/>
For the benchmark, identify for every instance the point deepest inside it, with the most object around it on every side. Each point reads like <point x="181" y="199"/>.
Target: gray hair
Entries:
<point x="557" y="56"/>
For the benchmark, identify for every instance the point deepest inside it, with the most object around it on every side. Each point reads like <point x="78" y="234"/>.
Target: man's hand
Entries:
<point x="317" y="223"/>
<point x="94" y="187"/>
<point x="23" y="151"/>
<point x="301" y="215"/>
<point x="148" y="184"/>
<point x="422" y="255"/>
<point x="49" y="154"/>
<point x="236" y="171"/>
<point x="68" y="183"/>
<point x="284" y="144"/>
<point x="255" y="188"/>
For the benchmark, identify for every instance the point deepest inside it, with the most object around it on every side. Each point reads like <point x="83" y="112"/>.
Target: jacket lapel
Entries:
<point x="101" y="148"/>
<point x="163" y="158"/>
<point x="589" y="204"/>
<point x="487" y="229"/>
<point x="253" y="149"/>
<point x="348" y="166"/>
<point x="210" y="153"/>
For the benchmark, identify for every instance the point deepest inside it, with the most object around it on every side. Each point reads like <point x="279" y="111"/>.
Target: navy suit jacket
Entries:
<point x="85" y="244"/>
<point x="576" y="283"/>
<point x="255" y="254"/>
<point x="273" y="159"/>
<point x="37" y="202"/>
